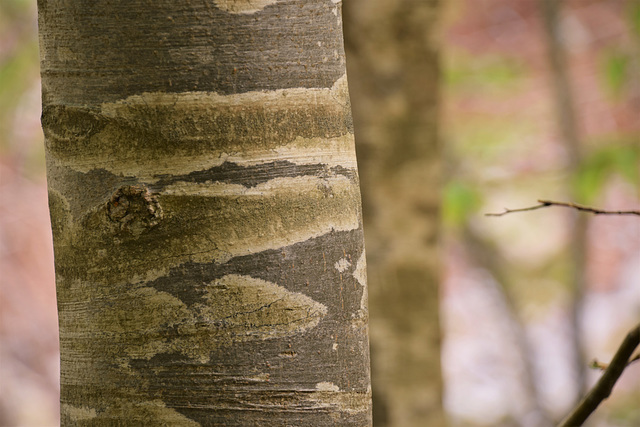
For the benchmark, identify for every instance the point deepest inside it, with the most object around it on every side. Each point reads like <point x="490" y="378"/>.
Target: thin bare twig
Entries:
<point x="603" y="387"/>
<point x="596" y="364"/>
<point x="583" y="208"/>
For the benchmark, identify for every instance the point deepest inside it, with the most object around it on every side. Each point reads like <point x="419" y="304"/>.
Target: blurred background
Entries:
<point x="524" y="297"/>
<point x="517" y="129"/>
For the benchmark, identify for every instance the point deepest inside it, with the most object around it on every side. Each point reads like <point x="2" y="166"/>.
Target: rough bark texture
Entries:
<point x="205" y="209"/>
<point x="393" y="68"/>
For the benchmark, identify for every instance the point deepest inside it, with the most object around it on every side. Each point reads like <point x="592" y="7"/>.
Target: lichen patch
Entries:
<point x="177" y="133"/>
<point x="260" y="378"/>
<point x="360" y="272"/>
<point x="327" y="386"/>
<point x="152" y="412"/>
<point x="77" y="413"/>
<point x="328" y="395"/>
<point x="342" y="264"/>
<point x="254" y="309"/>
<point x="277" y="213"/>
<point x="329" y="151"/>
<point x="149" y="322"/>
<point x="361" y="317"/>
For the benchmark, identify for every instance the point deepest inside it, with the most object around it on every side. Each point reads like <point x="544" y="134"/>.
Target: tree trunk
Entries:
<point x="570" y="136"/>
<point x="205" y="209"/>
<point x="393" y="63"/>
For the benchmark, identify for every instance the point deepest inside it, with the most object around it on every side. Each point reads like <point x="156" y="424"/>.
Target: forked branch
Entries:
<point x="603" y="387"/>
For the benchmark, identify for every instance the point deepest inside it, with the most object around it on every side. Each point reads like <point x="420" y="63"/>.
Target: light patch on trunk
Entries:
<point x="327" y="386"/>
<point x="254" y="309"/>
<point x="77" y="413"/>
<point x="361" y="317"/>
<point x="192" y="101"/>
<point x="235" y="308"/>
<point x="332" y="152"/>
<point x="260" y="378"/>
<point x="307" y="151"/>
<point x="243" y="6"/>
<point x="342" y="265"/>
<point x="360" y="274"/>
<point x="338" y="151"/>
<point x="277" y="213"/>
<point x="194" y="131"/>
<point x="152" y="412"/>
<point x="332" y="398"/>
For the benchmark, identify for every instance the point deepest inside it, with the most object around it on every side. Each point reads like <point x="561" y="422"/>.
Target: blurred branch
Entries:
<point x="488" y="257"/>
<point x="603" y="387"/>
<point x="583" y="208"/>
<point x="551" y="11"/>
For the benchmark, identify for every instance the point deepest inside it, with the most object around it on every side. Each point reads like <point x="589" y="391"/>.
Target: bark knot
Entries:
<point x="134" y="209"/>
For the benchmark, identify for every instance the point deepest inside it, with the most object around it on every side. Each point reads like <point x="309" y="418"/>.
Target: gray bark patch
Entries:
<point x="250" y="176"/>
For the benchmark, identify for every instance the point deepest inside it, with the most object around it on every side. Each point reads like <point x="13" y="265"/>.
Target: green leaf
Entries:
<point x="459" y="201"/>
<point x="615" y="70"/>
<point x="482" y="73"/>
<point x="601" y="165"/>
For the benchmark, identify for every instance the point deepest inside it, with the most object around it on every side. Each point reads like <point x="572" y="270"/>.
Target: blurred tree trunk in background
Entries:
<point x="568" y="128"/>
<point x="205" y="210"/>
<point x="487" y="256"/>
<point x="392" y="51"/>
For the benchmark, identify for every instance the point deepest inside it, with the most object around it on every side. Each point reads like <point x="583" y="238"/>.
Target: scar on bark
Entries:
<point x="134" y="209"/>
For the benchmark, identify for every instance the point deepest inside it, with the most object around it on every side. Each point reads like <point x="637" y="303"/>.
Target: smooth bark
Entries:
<point x="205" y="209"/>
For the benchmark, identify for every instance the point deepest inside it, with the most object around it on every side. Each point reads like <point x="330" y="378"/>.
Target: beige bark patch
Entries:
<point x="152" y="412"/>
<point x="260" y="378"/>
<point x="360" y="274"/>
<point x="243" y="6"/>
<point x="342" y="264"/>
<point x="361" y="317"/>
<point x="331" y="397"/>
<point x="238" y="128"/>
<point x="254" y="309"/>
<point x="77" y="413"/>
<point x="236" y="308"/>
<point x="327" y="386"/>
<point x="277" y="213"/>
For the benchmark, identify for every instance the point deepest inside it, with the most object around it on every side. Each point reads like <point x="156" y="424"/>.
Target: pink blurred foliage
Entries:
<point x="533" y="165"/>
<point x="29" y="366"/>
<point x="29" y="350"/>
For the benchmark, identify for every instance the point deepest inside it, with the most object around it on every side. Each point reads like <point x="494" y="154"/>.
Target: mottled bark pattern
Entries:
<point x="205" y="208"/>
<point x="393" y="68"/>
<point x="110" y="50"/>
